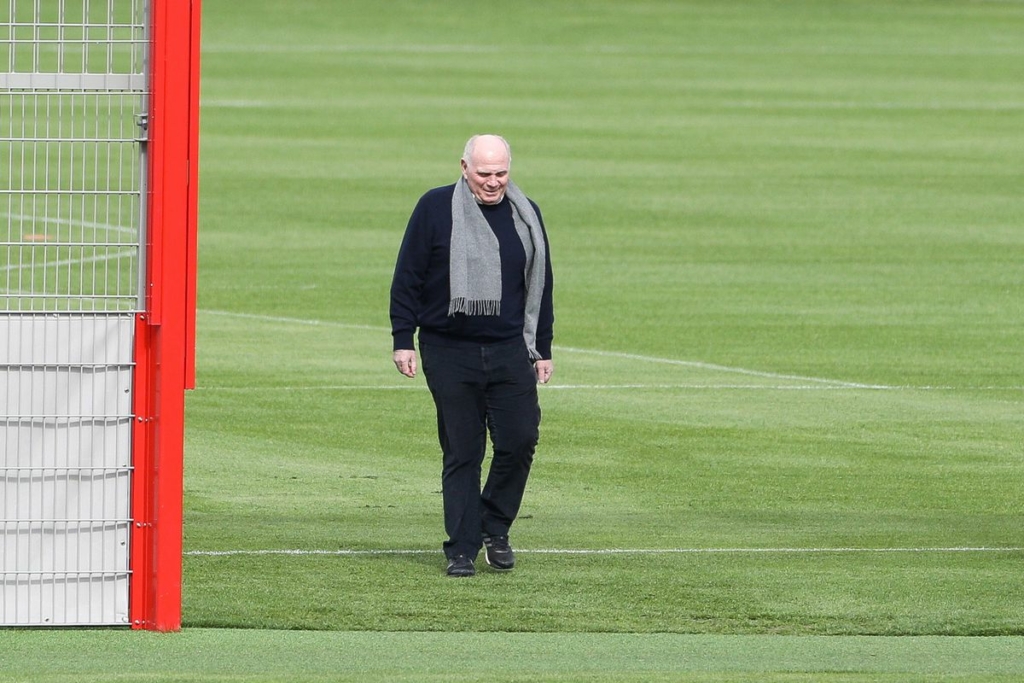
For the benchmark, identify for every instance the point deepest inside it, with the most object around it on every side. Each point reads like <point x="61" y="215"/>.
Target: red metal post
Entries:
<point x="165" y="331"/>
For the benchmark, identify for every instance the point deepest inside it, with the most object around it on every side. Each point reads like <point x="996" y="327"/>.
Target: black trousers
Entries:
<point x="479" y="389"/>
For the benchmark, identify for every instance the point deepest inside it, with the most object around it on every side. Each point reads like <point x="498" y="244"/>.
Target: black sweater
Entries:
<point x="420" y="290"/>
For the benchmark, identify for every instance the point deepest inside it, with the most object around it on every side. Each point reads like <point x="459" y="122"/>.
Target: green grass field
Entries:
<point x="783" y="441"/>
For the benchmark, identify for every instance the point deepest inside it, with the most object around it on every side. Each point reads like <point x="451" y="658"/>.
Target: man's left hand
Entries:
<point x="544" y="369"/>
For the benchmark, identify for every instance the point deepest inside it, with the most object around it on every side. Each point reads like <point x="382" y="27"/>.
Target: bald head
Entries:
<point x="485" y="166"/>
<point x="488" y="145"/>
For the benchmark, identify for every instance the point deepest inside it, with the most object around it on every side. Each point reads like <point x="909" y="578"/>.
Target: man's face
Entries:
<point x="487" y="172"/>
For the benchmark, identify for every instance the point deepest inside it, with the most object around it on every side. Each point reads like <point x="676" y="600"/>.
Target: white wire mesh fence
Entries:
<point x="73" y="44"/>
<point x="73" y="97"/>
<point x="66" y="473"/>
<point x="72" y="101"/>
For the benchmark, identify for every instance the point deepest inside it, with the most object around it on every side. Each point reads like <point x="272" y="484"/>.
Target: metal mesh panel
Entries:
<point x="72" y="103"/>
<point x="65" y="394"/>
<point x="74" y="44"/>
<point x="72" y="168"/>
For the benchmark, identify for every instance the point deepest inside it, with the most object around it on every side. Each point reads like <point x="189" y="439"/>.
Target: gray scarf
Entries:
<point x="476" y="260"/>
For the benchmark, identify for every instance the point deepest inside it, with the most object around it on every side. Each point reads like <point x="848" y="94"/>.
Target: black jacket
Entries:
<point x="420" y="288"/>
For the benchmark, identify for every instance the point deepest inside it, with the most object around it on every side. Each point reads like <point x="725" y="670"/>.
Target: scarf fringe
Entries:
<point x="474" y="306"/>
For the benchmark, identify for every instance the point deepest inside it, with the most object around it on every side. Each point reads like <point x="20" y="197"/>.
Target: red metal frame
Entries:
<point x="165" y="331"/>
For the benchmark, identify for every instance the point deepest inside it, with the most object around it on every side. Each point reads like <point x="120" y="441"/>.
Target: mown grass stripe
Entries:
<point x="607" y="551"/>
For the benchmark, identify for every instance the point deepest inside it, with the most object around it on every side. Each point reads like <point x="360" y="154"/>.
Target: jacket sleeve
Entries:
<point x="410" y="274"/>
<point x="546" y="321"/>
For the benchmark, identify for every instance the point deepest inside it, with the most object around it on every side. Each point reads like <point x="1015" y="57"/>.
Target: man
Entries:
<point x="474" y="275"/>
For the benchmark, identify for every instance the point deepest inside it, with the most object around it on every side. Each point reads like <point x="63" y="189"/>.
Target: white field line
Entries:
<point x="723" y="368"/>
<point x="741" y="387"/>
<point x="612" y="551"/>
<point x="127" y="251"/>
<point x="834" y="383"/>
<point x="418" y="386"/>
<point x="296" y="321"/>
<point x="90" y="225"/>
<point x="599" y="387"/>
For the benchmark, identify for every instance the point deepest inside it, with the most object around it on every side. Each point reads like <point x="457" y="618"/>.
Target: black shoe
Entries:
<point x="498" y="553"/>
<point x="461" y="566"/>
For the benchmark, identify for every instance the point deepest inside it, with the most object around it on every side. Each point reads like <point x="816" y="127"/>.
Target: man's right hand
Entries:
<point x="405" y="361"/>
